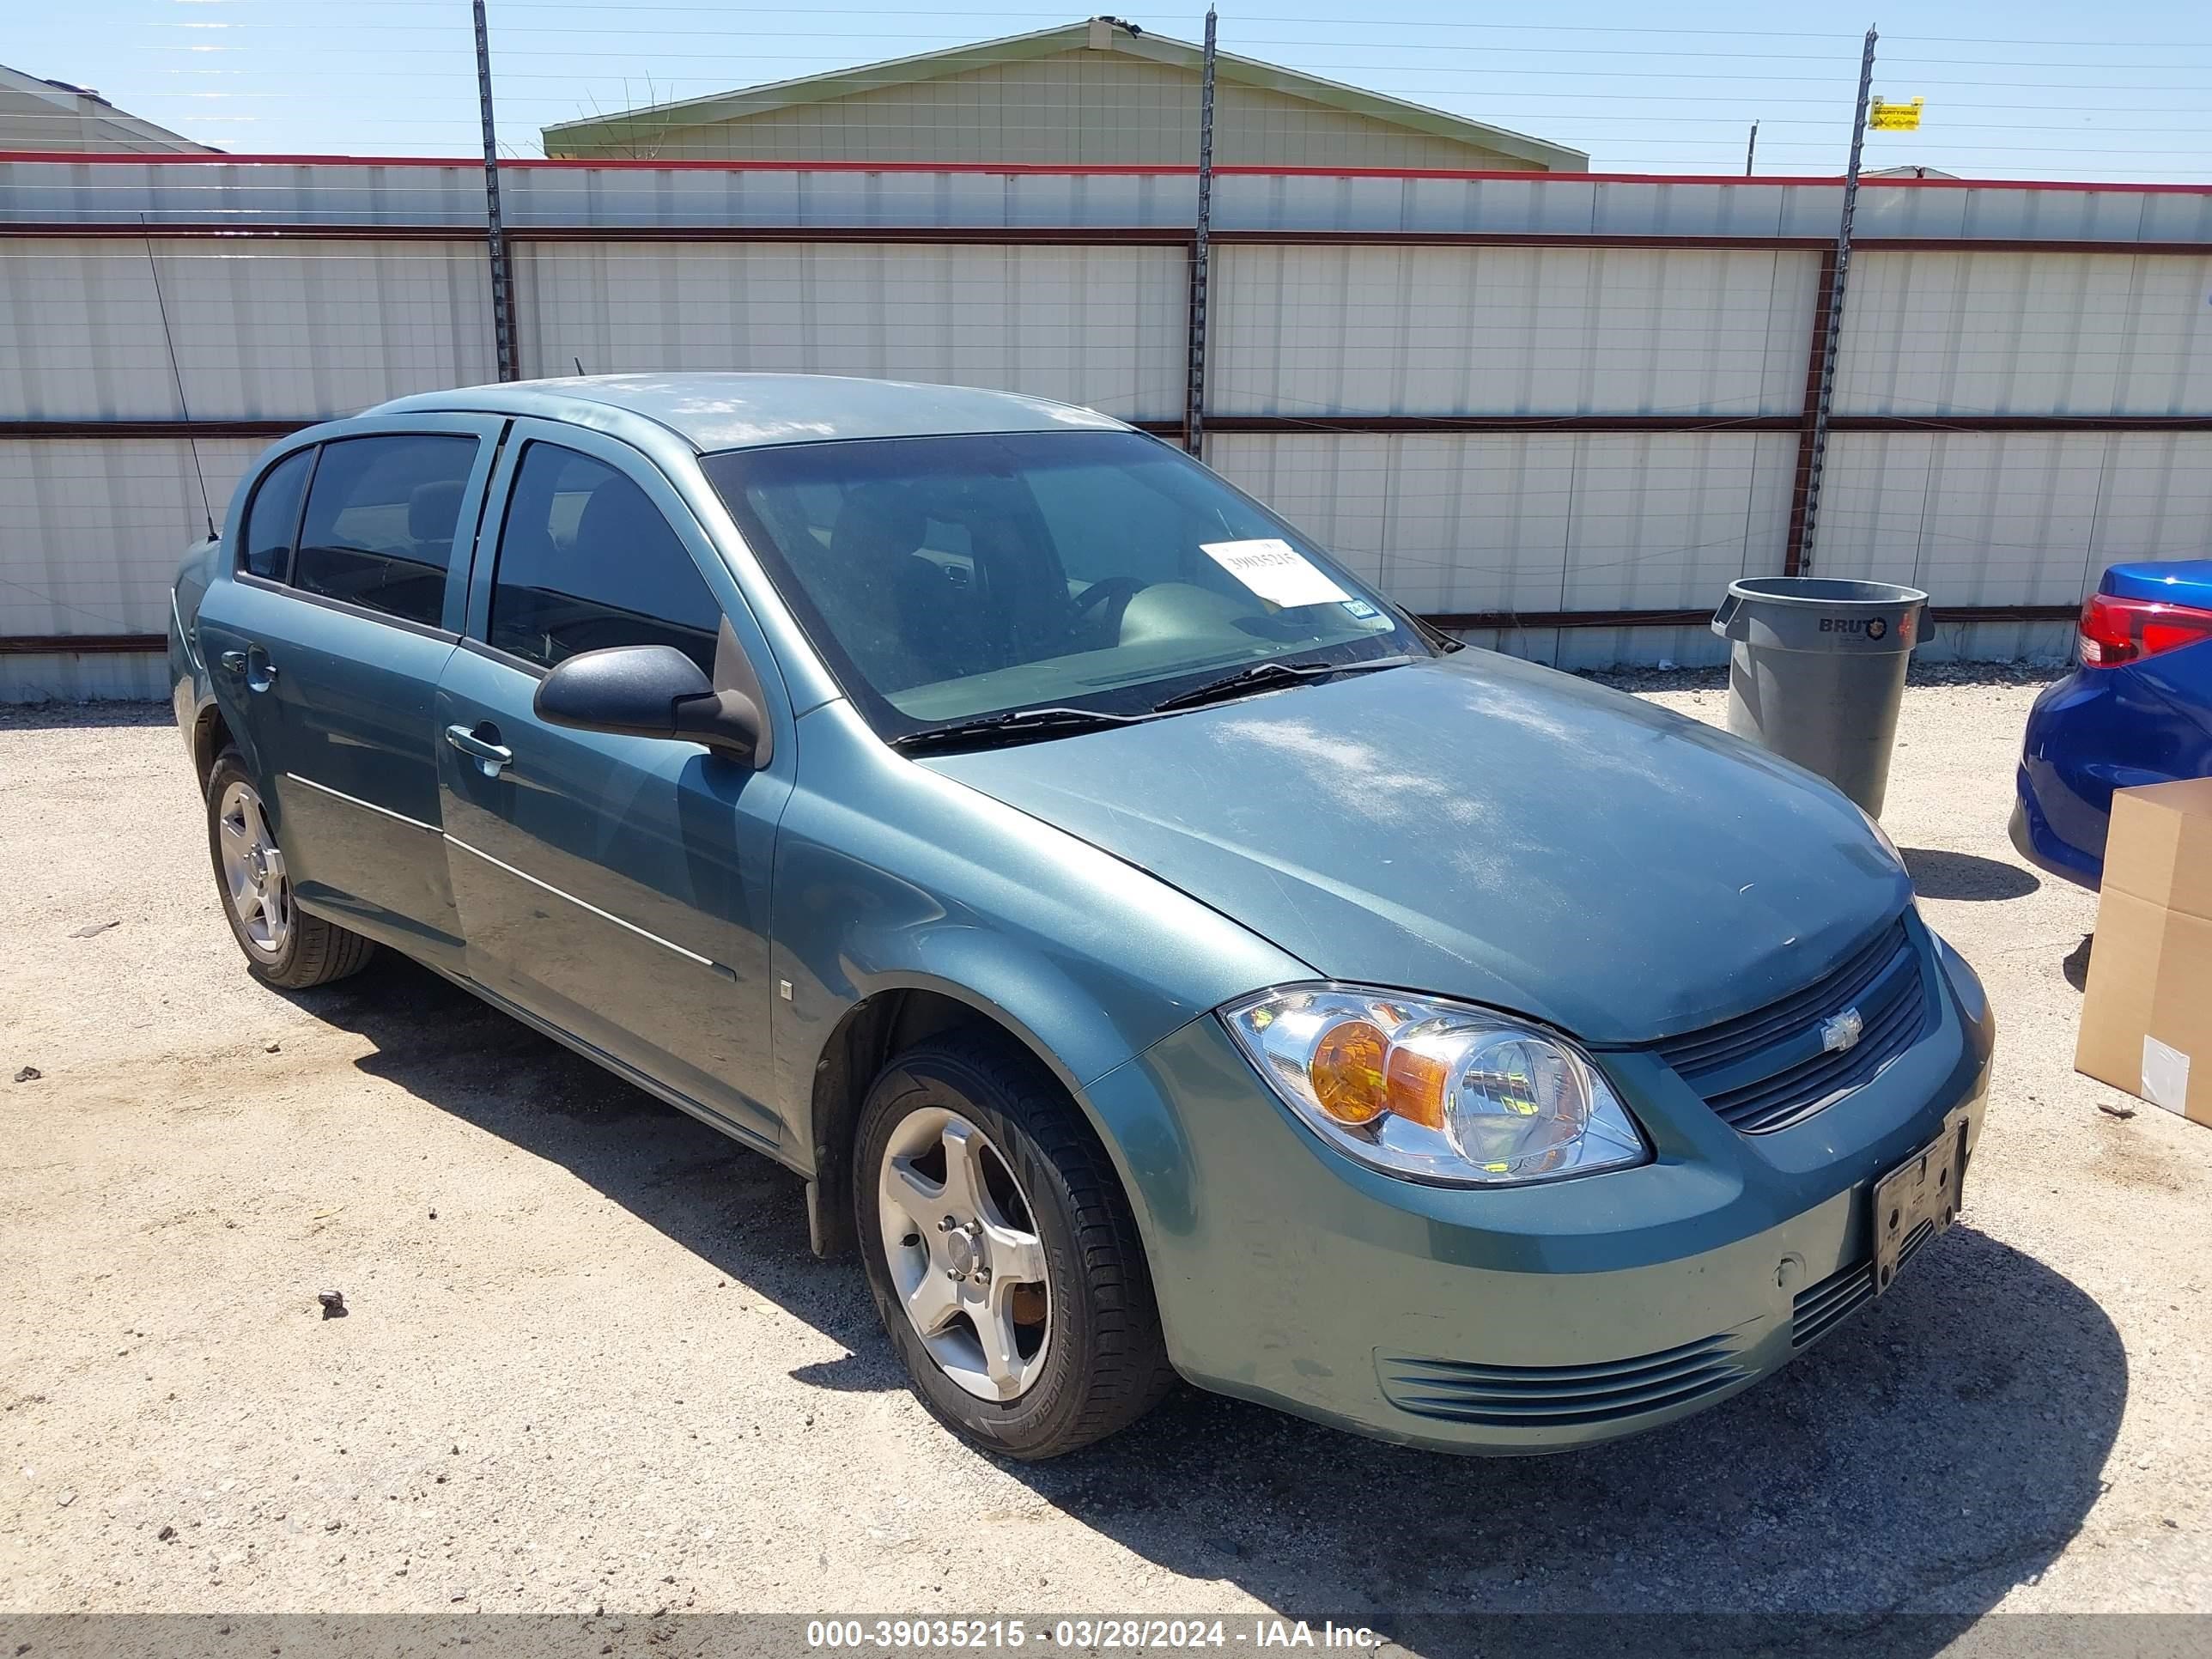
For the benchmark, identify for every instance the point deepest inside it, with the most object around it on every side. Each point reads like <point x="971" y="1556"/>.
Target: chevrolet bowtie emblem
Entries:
<point x="1842" y="1031"/>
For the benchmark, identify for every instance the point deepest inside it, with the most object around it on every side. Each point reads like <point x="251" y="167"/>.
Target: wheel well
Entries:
<point x="873" y="1030"/>
<point x="211" y="737"/>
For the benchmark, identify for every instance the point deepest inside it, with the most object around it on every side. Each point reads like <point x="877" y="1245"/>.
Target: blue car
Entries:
<point x="2138" y="711"/>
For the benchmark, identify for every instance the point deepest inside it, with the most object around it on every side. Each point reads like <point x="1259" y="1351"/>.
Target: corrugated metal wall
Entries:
<point x="1537" y="396"/>
<point x="1590" y="521"/>
<point x="2019" y="518"/>
<point x="94" y="530"/>
<point x="1101" y="326"/>
<point x="1509" y="331"/>
<point x="2026" y="333"/>
<point x="263" y="330"/>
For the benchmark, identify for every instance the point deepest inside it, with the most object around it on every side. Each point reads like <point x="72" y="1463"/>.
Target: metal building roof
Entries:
<point x="99" y="125"/>
<point x="655" y="120"/>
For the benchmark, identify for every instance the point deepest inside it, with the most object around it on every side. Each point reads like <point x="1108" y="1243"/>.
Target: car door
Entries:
<point x="615" y="886"/>
<point x="326" y="645"/>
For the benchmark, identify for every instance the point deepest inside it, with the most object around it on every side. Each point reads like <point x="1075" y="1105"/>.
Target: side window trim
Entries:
<point x="314" y="453"/>
<point x="387" y="565"/>
<point x="491" y="530"/>
<point x="489" y="432"/>
<point x="609" y="603"/>
<point x="347" y="608"/>
<point x="479" y="552"/>
<point x="300" y="518"/>
<point x="693" y="524"/>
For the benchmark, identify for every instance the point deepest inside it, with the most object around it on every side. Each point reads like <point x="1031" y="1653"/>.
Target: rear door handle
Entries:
<point x="491" y="758"/>
<point x="254" y="666"/>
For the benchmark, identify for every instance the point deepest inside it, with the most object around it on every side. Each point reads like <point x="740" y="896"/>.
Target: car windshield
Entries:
<point x="950" y="578"/>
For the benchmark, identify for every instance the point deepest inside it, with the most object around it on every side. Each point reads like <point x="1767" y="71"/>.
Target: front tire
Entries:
<point x="284" y="946"/>
<point x="1003" y="1258"/>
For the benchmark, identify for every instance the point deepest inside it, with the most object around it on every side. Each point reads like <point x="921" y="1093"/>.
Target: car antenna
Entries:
<point x="178" y="375"/>
<point x="578" y="362"/>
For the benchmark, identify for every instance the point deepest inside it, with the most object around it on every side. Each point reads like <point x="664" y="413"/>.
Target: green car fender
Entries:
<point x="1083" y="960"/>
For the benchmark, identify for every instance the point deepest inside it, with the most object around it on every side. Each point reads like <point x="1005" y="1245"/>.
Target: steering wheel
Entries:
<point x="1123" y="588"/>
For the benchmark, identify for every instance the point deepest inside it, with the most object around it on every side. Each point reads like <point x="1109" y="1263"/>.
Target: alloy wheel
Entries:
<point x="253" y="872"/>
<point x="961" y="1240"/>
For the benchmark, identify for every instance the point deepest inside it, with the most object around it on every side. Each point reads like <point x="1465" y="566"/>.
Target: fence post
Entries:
<point x="1194" y="407"/>
<point x="1828" y="330"/>
<point x="503" y="282"/>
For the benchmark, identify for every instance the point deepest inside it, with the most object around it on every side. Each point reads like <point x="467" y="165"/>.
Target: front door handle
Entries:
<point x="491" y="758"/>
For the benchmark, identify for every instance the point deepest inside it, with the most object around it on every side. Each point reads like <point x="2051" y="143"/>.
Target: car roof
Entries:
<point x="713" y="411"/>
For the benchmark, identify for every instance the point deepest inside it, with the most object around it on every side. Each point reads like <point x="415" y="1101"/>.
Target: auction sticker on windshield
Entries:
<point x="1276" y="571"/>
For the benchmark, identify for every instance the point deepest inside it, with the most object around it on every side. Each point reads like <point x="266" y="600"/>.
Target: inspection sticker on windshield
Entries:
<point x="1276" y="571"/>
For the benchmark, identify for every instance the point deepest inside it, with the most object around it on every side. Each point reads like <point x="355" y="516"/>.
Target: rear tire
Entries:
<point x="1045" y="1254"/>
<point x="283" y="945"/>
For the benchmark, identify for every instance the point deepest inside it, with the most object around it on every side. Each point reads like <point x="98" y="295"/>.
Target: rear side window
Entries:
<point x="379" y="526"/>
<point x="587" y="561"/>
<point x="273" y="517"/>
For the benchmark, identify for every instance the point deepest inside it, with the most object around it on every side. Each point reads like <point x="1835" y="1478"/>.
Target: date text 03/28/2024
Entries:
<point x="898" y="1635"/>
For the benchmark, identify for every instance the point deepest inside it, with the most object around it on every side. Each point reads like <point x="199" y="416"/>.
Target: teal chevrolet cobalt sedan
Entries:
<point x="1160" y="955"/>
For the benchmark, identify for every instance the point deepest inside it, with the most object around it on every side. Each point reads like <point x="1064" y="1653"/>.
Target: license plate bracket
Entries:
<point x="1917" y="1199"/>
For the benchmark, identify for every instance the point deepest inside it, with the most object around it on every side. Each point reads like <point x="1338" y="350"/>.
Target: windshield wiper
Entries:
<point x="1028" y="725"/>
<point x="1017" y="726"/>
<point x="1261" y="676"/>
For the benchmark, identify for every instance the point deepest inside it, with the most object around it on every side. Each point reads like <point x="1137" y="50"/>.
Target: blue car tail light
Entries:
<point x="2117" y="629"/>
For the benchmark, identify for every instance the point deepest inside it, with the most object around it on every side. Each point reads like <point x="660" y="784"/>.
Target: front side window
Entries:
<point x="587" y="561"/>
<point x="272" y="519"/>
<point x="381" y="514"/>
<point x="952" y="577"/>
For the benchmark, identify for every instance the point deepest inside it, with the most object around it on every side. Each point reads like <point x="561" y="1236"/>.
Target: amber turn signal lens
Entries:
<point x="1347" y="1071"/>
<point x="1414" y="1085"/>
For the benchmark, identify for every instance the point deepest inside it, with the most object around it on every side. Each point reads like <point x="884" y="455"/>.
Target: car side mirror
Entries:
<point x="647" y="691"/>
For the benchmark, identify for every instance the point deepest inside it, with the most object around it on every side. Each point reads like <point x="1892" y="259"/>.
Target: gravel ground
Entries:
<point x="588" y="1362"/>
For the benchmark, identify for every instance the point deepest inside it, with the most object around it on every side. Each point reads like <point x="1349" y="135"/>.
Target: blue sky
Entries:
<point x="2012" y="90"/>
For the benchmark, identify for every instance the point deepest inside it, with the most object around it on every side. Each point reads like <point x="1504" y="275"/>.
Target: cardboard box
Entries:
<point x="2146" y="1018"/>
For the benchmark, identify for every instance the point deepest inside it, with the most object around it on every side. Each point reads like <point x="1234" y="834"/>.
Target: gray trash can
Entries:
<point x="1817" y="669"/>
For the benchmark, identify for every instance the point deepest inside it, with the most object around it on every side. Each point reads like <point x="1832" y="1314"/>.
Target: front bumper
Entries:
<point x="1528" y="1319"/>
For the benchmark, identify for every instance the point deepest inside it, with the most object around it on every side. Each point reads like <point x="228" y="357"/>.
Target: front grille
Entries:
<point x="1767" y="1070"/>
<point x="1542" y="1397"/>
<point x="1819" y="1310"/>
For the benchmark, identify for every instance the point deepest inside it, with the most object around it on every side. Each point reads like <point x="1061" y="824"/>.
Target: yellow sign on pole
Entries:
<point x="1895" y="118"/>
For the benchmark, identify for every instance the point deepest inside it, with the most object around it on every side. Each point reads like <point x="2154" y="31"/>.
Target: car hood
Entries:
<point x="1481" y="828"/>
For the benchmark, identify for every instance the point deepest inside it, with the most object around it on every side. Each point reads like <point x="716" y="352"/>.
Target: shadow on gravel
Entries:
<point x="2075" y="967"/>
<point x="730" y="1206"/>
<point x="1942" y="875"/>
<point x="1939" y="1448"/>
<point x="1936" y="1449"/>
<point x="49" y="716"/>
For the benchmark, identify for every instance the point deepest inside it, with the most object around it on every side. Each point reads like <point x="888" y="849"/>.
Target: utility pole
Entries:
<point x="503" y="283"/>
<point x="1750" y="150"/>
<point x="1824" y="396"/>
<point x="1193" y="412"/>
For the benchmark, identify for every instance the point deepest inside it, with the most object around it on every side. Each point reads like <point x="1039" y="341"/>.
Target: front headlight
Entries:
<point x="1435" y="1092"/>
